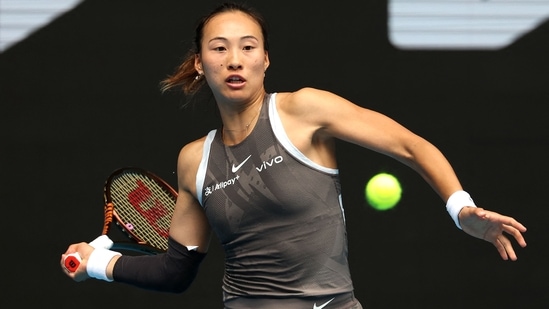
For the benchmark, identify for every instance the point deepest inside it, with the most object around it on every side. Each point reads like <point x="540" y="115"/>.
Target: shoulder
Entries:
<point x="191" y="152"/>
<point x="309" y="102"/>
<point x="305" y="98"/>
<point x="302" y="95"/>
<point x="188" y="161"/>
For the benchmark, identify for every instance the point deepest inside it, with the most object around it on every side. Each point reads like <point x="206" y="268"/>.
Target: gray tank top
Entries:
<point x="277" y="214"/>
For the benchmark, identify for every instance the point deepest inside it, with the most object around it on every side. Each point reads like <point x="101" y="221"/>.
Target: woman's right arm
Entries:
<point x="189" y="224"/>
<point x="188" y="242"/>
<point x="190" y="235"/>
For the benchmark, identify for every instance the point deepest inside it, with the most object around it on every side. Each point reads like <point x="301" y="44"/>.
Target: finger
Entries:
<point x="512" y="227"/>
<point x="508" y="248"/>
<point x="505" y="249"/>
<point x="512" y="222"/>
<point x="518" y="225"/>
<point x="516" y="234"/>
<point x="501" y="249"/>
<point x="508" y="221"/>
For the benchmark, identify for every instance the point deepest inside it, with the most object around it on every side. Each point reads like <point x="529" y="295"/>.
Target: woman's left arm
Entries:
<point x="342" y="119"/>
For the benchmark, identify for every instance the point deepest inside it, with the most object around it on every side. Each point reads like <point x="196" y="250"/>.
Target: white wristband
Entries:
<point x="98" y="261"/>
<point x="456" y="202"/>
<point x="102" y="241"/>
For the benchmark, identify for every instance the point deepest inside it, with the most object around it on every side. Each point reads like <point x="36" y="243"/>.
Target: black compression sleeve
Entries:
<point x="173" y="271"/>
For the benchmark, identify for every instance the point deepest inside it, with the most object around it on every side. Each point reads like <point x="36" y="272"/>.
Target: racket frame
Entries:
<point x="138" y="244"/>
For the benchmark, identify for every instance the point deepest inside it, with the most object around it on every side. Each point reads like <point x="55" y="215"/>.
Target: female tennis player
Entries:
<point x="266" y="182"/>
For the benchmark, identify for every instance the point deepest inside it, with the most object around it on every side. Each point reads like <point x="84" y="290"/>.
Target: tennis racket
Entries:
<point x="141" y="205"/>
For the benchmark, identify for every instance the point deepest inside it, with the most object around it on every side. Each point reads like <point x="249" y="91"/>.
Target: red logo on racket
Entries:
<point x="151" y="209"/>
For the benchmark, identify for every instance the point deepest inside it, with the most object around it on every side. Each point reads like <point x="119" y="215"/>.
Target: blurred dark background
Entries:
<point x="80" y="98"/>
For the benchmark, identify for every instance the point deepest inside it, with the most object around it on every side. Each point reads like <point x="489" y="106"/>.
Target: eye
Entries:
<point x="219" y="48"/>
<point x="249" y="47"/>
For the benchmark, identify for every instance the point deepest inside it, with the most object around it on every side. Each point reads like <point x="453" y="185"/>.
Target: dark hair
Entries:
<point x="185" y="75"/>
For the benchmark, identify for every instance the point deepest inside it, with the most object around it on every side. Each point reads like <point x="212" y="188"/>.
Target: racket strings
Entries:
<point x="144" y="206"/>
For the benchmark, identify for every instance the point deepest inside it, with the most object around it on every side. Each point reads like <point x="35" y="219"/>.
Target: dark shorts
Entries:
<point x="337" y="301"/>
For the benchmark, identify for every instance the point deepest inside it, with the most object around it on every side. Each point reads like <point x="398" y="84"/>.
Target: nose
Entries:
<point x="234" y="61"/>
<point x="234" y="66"/>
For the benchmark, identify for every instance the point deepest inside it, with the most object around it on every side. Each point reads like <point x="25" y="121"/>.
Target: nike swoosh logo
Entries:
<point x="236" y="168"/>
<point x="323" y="305"/>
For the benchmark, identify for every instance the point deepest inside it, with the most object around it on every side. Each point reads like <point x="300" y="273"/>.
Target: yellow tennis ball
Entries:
<point x="383" y="191"/>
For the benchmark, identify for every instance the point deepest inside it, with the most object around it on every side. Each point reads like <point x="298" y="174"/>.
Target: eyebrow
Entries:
<point x="242" y="38"/>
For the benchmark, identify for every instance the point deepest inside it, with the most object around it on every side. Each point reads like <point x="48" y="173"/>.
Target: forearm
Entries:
<point x="435" y="169"/>
<point x="172" y="272"/>
<point x="431" y="164"/>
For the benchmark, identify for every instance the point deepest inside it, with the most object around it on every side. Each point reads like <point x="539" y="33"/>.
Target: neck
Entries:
<point x="239" y="130"/>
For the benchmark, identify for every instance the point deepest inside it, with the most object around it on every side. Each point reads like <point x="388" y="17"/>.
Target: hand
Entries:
<point x="83" y="250"/>
<point x="489" y="225"/>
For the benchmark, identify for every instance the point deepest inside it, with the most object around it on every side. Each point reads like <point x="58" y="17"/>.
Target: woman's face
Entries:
<point x="233" y="59"/>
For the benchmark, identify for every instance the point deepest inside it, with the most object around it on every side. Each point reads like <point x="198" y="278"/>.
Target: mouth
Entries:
<point x="235" y="79"/>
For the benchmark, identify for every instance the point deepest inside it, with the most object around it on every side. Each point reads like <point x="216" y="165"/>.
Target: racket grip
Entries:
<point x="72" y="261"/>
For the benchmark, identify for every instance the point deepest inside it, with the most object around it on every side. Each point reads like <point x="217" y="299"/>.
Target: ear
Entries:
<point x="198" y="64"/>
<point x="267" y="61"/>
